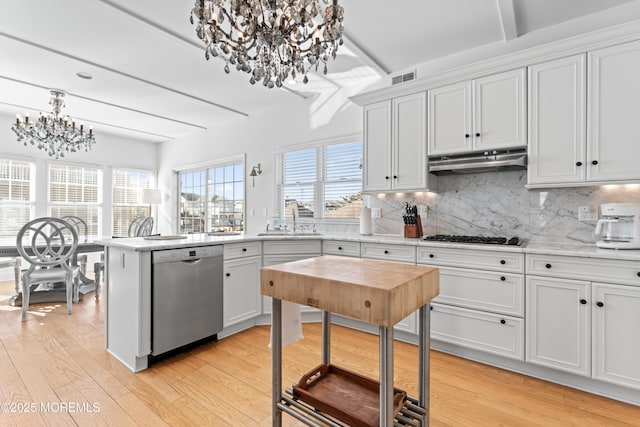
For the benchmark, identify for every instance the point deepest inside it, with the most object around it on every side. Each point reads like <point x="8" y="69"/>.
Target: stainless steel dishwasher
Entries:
<point x="186" y="296"/>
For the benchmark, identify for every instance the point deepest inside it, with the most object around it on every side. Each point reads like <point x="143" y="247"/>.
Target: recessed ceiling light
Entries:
<point x="84" y="75"/>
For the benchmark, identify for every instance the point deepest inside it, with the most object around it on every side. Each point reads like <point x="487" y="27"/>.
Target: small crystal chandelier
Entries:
<point x="270" y="39"/>
<point x="55" y="133"/>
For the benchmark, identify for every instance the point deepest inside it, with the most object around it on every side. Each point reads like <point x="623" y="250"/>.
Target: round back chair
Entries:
<point x="48" y="243"/>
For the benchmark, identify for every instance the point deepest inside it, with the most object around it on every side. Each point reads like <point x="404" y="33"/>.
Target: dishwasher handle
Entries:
<point x="192" y="261"/>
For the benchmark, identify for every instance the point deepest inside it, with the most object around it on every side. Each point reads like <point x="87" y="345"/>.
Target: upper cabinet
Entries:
<point x="557" y="121"/>
<point x="585" y="139"/>
<point x="483" y="114"/>
<point x="395" y="148"/>
<point x="613" y="111"/>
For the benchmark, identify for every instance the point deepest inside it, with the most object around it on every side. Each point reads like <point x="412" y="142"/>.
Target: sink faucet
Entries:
<point x="293" y="212"/>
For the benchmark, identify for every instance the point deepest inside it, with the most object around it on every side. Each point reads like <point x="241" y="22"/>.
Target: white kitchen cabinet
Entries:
<point x="399" y="253"/>
<point x="560" y="151"/>
<point x="481" y="300"/>
<point x="557" y="121"/>
<point x="578" y="323"/>
<point x="395" y="152"/>
<point x="558" y="324"/>
<point x="341" y="247"/>
<point x="616" y="342"/>
<point x="281" y="251"/>
<point x="487" y="113"/>
<point x="613" y="111"/>
<point x="478" y="330"/>
<point x="241" y="291"/>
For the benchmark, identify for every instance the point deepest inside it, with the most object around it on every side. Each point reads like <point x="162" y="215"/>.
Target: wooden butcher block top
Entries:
<point x="378" y="292"/>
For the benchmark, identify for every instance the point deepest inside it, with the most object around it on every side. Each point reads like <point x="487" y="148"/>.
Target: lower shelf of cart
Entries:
<point x="345" y="395"/>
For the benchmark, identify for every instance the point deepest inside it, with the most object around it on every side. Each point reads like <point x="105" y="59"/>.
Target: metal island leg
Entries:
<point x="276" y="361"/>
<point x="424" y="330"/>
<point x="386" y="376"/>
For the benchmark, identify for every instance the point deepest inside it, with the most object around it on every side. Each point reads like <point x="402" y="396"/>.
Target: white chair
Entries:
<point x="47" y="244"/>
<point x="15" y="264"/>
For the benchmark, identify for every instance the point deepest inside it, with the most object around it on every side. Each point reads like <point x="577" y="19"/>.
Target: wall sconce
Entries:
<point x="255" y="171"/>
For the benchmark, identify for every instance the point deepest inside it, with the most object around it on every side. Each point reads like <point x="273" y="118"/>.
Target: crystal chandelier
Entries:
<point x="55" y="133"/>
<point x="272" y="40"/>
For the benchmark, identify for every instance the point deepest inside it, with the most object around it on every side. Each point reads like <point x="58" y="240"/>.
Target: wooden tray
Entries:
<point x="344" y="395"/>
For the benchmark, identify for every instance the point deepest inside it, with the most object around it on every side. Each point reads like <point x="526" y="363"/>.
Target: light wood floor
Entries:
<point x="54" y="358"/>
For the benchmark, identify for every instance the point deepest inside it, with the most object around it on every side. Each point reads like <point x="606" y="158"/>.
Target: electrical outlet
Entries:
<point x="588" y="213"/>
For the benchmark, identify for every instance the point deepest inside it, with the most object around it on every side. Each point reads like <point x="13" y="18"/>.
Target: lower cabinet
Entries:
<point x="481" y="300"/>
<point x="586" y="328"/>
<point x="489" y="332"/>
<point x="281" y="251"/>
<point x="241" y="286"/>
<point x="400" y="253"/>
<point x="241" y="291"/>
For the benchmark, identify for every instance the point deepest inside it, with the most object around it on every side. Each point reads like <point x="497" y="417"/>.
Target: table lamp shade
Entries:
<point x="151" y="196"/>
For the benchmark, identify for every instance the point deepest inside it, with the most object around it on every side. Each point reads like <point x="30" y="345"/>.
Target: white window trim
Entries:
<point x="192" y="167"/>
<point x="318" y="143"/>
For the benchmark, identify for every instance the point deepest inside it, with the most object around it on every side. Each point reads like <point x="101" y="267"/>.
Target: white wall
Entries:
<point x="258" y="136"/>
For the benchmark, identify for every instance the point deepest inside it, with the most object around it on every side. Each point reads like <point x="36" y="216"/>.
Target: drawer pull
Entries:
<point x="503" y="278"/>
<point x="244" y="249"/>
<point x="502" y="321"/>
<point x="339" y="248"/>
<point x="432" y="255"/>
<point x="431" y="307"/>
<point x="548" y="265"/>
<point x="503" y="262"/>
<point x="228" y="274"/>
<point x="638" y="273"/>
<point x="600" y="304"/>
<point x="583" y="301"/>
<point x="386" y="251"/>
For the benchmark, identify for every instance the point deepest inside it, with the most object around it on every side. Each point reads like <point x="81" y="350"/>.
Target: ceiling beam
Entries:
<point x="507" y="19"/>
<point x="365" y="56"/>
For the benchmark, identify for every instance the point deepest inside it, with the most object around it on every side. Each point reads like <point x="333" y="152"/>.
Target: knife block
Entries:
<point x="414" y="231"/>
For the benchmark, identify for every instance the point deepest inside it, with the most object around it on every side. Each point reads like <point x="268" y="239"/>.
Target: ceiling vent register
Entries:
<point x="403" y="78"/>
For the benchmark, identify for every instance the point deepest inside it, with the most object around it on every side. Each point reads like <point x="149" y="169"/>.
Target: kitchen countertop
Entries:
<point x="544" y="248"/>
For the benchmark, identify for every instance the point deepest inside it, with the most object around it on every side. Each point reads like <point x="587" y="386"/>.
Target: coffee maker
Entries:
<point x="618" y="226"/>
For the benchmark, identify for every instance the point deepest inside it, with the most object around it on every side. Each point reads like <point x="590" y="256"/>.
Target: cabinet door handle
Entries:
<point x="578" y="163"/>
<point x="395" y="176"/>
<point x="600" y="304"/>
<point x="432" y="255"/>
<point x="502" y="321"/>
<point x="466" y="135"/>
<point x="594" y="162"/>
<point x="503" y="262"/>
<point x="503" y="278"/>
<point x="228" y="274"/>
<point x="386" y="177"/>
<point x="548" y="265"/>
<point x="583" y="301"/>
<point x="477" y="134"/>
<point x="638" y="273"/>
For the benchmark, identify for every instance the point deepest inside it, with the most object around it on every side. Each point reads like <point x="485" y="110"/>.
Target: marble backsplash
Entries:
<point x="498" y="204"/>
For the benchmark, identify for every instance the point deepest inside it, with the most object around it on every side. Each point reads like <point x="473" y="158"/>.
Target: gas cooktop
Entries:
<point x="513" y="241"/>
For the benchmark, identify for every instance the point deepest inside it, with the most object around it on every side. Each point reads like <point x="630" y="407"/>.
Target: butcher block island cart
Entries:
<point x="378" y="292"/>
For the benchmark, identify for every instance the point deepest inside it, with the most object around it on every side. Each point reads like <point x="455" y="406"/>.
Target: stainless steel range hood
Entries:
<point x="479" y="162"/>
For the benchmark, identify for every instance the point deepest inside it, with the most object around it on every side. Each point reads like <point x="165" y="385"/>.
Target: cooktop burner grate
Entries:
<point x="514" y="241"/>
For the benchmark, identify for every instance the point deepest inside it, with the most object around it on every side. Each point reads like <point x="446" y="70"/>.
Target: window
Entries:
<point x="127" y="186"/>
<point x="212" y="199"/>
<point x="321" y="182"/>
<point x="16" y="195"/>
<point x="76" y="190"/>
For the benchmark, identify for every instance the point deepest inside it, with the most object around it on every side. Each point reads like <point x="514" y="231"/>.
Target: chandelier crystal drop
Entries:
<point x="272" y="40"/>
<point x="55" y="133"/>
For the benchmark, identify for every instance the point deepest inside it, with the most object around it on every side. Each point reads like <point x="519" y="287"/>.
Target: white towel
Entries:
<point x="291" y="324"/>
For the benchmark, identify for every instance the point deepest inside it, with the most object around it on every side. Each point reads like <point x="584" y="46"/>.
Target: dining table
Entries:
<point x="55" y="292"/>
